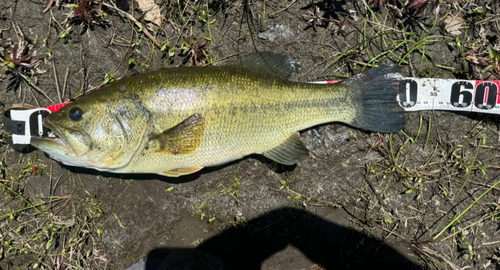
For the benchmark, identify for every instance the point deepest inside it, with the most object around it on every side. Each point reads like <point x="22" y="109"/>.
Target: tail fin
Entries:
<point x="375" y="92"/>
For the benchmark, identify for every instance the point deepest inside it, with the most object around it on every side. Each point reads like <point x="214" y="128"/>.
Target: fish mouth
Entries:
<point x="55" y="143"/>
<point x="55" y="139"/>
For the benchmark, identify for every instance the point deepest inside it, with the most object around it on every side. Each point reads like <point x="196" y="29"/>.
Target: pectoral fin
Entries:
<point x="180" y="171"/>
<point x="183" y="138"/>
<point x="289" y="152"/>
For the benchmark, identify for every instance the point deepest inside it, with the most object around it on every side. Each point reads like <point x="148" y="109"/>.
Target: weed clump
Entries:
<point x="195" y="53"/>
<point x="18" y="60"/>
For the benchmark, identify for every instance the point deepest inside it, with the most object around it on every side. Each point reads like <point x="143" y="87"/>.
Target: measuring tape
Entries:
<point x="414" y="94"/>
<point x="421" y="94"/>
<point x="25" y="123"/>
<point x="424" y="94"/>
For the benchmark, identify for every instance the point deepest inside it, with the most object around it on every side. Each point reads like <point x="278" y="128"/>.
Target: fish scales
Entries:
<point x="176" y="121"/>
<point x="244" y="113"/>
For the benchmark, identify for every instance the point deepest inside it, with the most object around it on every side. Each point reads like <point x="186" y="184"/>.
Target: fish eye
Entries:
<point x="75" y="113"/>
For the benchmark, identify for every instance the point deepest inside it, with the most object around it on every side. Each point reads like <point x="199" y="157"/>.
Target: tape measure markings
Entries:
<point x="422" y="94"/>
<point x="418" y="94"/>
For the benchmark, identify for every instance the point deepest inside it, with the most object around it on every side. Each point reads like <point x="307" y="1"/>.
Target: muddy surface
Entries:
<point x="361" y="199"/>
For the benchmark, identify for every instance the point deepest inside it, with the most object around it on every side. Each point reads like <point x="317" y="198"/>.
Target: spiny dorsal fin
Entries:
<point x="180" y="171"/>
<point x="183" y="138"/>
<point x="290" y="152"/>
<point x="270" y="62"/>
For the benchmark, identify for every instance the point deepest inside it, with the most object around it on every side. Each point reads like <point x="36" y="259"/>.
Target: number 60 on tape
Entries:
<point x="418" y="94"/>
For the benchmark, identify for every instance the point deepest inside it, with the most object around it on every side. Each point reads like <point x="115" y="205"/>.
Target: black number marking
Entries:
<point x="486" y="96"/>
<point x="434" y="94"/>
<point x="461" y="90"/>
<point x="408" y="93"/>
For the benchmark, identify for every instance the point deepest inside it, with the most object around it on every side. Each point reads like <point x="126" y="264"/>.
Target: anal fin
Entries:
<point x="180" y="171"/>
<point x="290" y="152"/>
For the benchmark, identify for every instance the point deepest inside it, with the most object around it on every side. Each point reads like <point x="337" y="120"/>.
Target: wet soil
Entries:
<point x="361" y="199"/>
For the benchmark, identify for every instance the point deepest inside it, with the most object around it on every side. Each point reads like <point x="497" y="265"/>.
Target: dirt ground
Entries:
<point x="422" y="198"/>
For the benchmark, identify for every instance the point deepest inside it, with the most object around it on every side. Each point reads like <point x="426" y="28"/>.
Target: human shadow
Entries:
<point x="246" y="247"/>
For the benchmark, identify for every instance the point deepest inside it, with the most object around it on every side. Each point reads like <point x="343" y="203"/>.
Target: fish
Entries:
<point x="176" y="121"/>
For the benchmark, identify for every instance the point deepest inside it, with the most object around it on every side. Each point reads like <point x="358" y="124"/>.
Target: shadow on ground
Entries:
<point x="275" y="167"/>
<point x="247" y="246"/>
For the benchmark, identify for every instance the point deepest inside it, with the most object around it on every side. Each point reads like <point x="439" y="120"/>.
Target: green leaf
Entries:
<point x="171" y="52"/>
<point x="411" y="190"/>
<point x="49" y="243"/>
<point x="6" y="55"/>
<point x="492" y="53"/>
<point x="108" y="77"/>
<point x="486" y="69"/>
<point x="165" y="46"/>
<point x="65" y="33"/>
<point x="387" y="220"/>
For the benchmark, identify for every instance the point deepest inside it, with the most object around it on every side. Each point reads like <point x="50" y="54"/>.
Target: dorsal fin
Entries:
<point x="290" y="152"/>
<point x="271" y="63"/>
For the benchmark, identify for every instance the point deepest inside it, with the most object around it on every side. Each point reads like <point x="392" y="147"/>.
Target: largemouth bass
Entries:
<point x="175" y="121"/>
